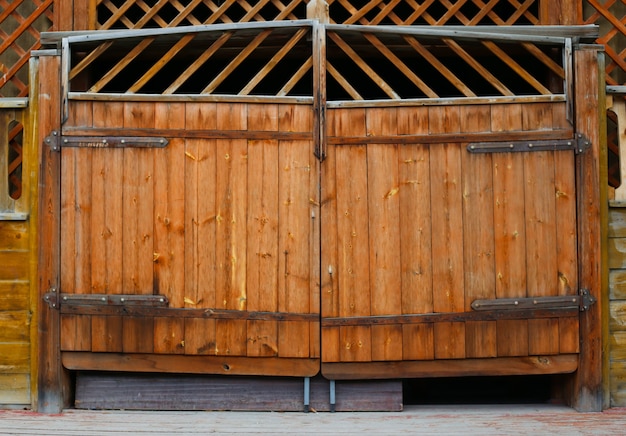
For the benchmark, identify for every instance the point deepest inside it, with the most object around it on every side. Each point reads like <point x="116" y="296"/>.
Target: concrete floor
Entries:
<point x="419" y="420"/>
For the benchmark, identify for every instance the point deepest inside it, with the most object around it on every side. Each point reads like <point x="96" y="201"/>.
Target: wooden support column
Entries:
<point x="585" y="390"/>
<point x="53" y="382"/>
<point x="559" y="12"/>
<point x="74" y="15"/>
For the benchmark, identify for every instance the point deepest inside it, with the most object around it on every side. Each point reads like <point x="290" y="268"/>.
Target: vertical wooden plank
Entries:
<point x="106" y="222"/>
<point x="263" y="224"/>
<point x="559" y="12"/>
<point x="352" y="212"/>
<point x="512" y="338"/>
<point x="387" y="342"/>
<point x="418" y="342"/>
<point x="294" y="235"/>
<point x="106" y="334"/>
<point x="478" y="233"/>
<point x="329" y="247"/>
<point x="169" y="335"/>
<point x="169" y="227"/>
<point x="200" y="223"/>
<point x="447" y="218"/>
<point x="449" y="340"/>
<point x="569" y="341"/>
<point x="481" y="339"/>
<point x="509" y="231"/>
<point x="592" y="204"/>
<point x="415" y="214"/>
<point x="68" y="221"/>
<point x="543" y="336"/>
<point x="138" y="204"/>
<point x="76" y="333"/>
<point x="541" y="258"/>
<point x="138" y="334"/>
<point x="231" y="198"/>
<point x="53" y="383"/>
<point x="566" y="227"/>
<point x="203" y="340"/>
<point x="355" y="344"/>
<point x="447" y="230"/>
<point x="329" y="243"/>
<point x="106" y="227"/>
<point x="169" y="207"/>
<point x="384" y="214"/>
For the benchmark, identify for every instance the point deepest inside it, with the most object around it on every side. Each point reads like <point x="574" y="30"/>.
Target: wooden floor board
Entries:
<point x="439" y="420"/>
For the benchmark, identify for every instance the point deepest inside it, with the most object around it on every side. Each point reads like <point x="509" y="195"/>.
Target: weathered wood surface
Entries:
<point x="221" y="223"/>
<point x="452" y="419"/>
<point x="285" y="394"/>
<point x="419" y="228"/>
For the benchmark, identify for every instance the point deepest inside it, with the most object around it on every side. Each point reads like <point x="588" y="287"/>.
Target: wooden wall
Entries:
<point x="617" y="304"/>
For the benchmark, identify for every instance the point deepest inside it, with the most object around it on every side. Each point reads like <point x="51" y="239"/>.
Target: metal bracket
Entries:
<point x="52" y="298"/>
<point x="586" y="299"/>
<point x="55" y="299"/>
<point x="56" y="141"/>
<point x="579" y="144"/>
<point x="53" y="140"/>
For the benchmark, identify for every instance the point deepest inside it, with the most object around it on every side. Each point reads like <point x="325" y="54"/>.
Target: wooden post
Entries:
<point x="74" y="15"/>
<point x="53" y="381"/>
<point x="559" y="12"/>
<point x="585" y="390"/>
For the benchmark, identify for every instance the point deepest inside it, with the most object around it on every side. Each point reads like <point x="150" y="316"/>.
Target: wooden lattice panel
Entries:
<point x="270" y="61"/>
<point x="368" y="65"/>
<point x="435" y="12"/>
<point x="21" y="23"/>
<point x="136" y="14"/>
<point x="610" y="15"/>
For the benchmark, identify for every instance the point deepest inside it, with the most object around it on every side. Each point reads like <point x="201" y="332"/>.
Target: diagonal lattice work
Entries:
<point x="21" y="23"/>
<point x="366" y="64"/>
<point x="435" y="12"/>
<point x="610" y="15"/>
<point x="228" y="60"/>
<point x="136" y="14"/>
<point x="361" y="62"/>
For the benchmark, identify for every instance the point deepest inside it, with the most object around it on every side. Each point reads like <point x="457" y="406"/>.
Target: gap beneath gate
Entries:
<point x="138" y="391"/>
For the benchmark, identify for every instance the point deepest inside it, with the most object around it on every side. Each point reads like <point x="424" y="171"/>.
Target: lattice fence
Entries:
<point x="21" y="23"/>
<point x="134" y="14"/>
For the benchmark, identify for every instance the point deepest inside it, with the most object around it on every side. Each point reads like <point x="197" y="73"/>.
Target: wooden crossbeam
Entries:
<point x="343" y="82"/>
<point x="295" y="78"/>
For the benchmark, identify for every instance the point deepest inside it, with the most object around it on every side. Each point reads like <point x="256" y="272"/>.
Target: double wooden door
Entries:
<point x="208" y="237"/>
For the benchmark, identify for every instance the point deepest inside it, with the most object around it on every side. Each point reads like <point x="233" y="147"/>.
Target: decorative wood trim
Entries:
<point x="187" y="134"/>
<point x="557" y="364"/>
<point x="171" y="363"/>
<point x="90" y="96"/>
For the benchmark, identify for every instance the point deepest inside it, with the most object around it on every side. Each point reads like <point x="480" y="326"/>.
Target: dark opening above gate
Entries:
<point x="360" y="63"/>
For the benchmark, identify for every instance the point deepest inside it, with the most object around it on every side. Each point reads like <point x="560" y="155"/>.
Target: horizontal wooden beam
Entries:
<point x="446" y="138"/>
<point x="69" y="132"/>
<point x="487" y="315"/>
<point x="531" y="365"/>
<point x="170" y="363"/>
<point x="166" y="312"/>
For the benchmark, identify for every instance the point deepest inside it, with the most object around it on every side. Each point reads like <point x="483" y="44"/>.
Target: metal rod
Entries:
<point x="332" y="395"/>
<point x="307" y="394"/>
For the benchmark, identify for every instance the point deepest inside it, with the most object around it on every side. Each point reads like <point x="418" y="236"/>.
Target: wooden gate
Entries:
<point x="231" y="194"/>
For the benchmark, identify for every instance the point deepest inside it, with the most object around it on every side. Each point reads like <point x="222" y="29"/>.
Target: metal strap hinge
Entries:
<point x="55" y="300"/>
<point x="579" y="144"/>
<point x="581" y="302"/>
<point x="56" y="141"/>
